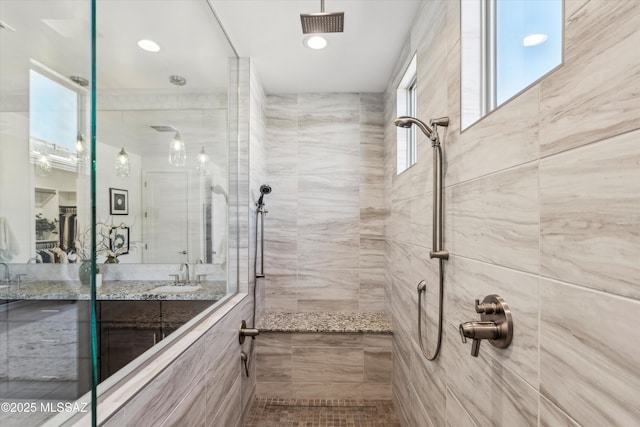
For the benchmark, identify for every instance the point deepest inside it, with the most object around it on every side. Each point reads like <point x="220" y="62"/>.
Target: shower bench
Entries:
<point x="324" y="356"/>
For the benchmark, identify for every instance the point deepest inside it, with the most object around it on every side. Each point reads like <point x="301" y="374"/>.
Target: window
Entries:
<point x="506" y="46"/>
<point x="54" y="111"/>
<point x="407" y="105"/>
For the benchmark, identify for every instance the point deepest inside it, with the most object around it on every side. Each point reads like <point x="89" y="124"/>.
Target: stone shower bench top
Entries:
<point x="350" y="323"/>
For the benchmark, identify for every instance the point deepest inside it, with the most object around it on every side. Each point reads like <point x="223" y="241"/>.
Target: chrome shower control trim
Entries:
<point x="496" y="324"/>
<point x="247" y="332"/>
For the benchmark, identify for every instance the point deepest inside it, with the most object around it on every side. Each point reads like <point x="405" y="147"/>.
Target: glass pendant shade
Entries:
<point x="177" y="151"/>
<point x="122" y="163"/>
<point x="203" y="162"/>
<point x="43" y="165"/>
<point x="81" y="146"/>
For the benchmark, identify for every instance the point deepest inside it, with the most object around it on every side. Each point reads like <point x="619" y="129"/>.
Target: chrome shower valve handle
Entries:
<point x="496" y="324"/>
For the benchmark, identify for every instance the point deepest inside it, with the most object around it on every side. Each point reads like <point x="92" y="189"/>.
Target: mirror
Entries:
<point x="155" y="211"/>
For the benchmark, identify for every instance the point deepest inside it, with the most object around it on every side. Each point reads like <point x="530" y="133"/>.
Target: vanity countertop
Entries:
<point x="113" y="290"/>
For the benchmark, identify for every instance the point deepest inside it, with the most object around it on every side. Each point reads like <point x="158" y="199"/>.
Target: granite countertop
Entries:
<point x="325" y="322"/>
<point x="112" y="290"/>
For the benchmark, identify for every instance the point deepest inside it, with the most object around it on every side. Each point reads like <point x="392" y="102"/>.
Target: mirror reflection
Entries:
<point x="162" y="149"/>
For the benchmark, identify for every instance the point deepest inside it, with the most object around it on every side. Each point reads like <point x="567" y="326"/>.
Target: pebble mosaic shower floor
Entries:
<point x="273" y="412"/>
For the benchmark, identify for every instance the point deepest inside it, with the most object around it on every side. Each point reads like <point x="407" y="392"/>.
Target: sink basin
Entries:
<point x="176" y="288"/>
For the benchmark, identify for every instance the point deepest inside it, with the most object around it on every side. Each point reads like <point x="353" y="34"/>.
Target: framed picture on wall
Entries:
<point x="118" y="201"/>
<point x="119" y="240"/>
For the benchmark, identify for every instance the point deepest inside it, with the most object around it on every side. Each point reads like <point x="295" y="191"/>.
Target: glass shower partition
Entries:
<point x="118" y="193"/>
<point x="45" y="202"/>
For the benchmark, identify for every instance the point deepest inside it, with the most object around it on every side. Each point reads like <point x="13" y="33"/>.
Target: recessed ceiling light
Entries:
<point x="534" y="40"/>
<point x="315" y="42"/>
<point x="149" y="45"/>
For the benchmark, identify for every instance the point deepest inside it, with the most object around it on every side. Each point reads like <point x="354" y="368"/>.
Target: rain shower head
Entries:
<point x="264" y="189"/>
<point x="322" y="22"/>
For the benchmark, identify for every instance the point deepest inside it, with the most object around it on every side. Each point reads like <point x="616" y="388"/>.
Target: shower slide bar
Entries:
<point x="437" y="250"/>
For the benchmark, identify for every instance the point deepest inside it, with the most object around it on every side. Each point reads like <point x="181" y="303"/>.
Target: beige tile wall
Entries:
<point x="324" y="230"/>
<point x="324" y="366"/>
<point x="542" y="207"/>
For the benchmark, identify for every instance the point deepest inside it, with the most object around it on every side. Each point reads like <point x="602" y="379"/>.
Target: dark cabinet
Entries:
<point x="129" y="328"/>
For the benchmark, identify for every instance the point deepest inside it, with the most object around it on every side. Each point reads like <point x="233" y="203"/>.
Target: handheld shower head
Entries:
<point x="407" y="122"/>
<point x="264" y="189"/>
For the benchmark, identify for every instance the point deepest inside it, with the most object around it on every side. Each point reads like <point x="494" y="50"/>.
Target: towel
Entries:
<point x="8" y="244"/>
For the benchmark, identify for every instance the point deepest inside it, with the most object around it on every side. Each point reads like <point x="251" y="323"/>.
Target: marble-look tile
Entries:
<point x="590" y="206"/>
<point x="472" y="379"/>
<point x="378" y="340"/>
<point x="396" y="226"/>
<point x="282" y="206"/>
<point x="489" y="145"/>
<point x="327" y="340"/>
<point x="371" y="290"/>
<point x="274" y="357"/>
<point x="335" y="365"/>
<point x="371" y="252"/>
<point x="230" y="411"/>
<point x="191" y="411"/>
<point x="328" y="289"/>
<point x="274" y="390"/>
<point x="579" y="351"/>
<point x="467" y="280"/>
<point x="572" y="6"/>
<point x="160" y="397"/>
<point x="317" y="251"/>
<point x="429" y="382"/>
<point x="604" y="103"/>
<point x="453" y="24"/>
<point x="117" y="420"/>
<point x="377" y="365"/>
<point x="221" y="378"/>
<point x="328" y="204"/>
<point x="495" y="218"/>
<point x="281" y="289"/>
<point x="421" y="225"/>
<point x="456" y="415"/>
<point x="551" y="416"/>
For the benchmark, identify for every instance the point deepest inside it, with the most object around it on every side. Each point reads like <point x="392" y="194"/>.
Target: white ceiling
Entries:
<point x="359" y="60"/>
<point x="56" y="33"/>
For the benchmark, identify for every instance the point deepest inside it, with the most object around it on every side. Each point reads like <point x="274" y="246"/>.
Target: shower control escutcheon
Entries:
<point x="496" y="324"/>
<point x="247" y="332"/>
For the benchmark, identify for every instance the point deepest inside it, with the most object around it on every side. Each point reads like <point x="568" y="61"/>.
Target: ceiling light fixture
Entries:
<point x="534" y="40"/>
<point x="149" y="45"/>
<point x="203" y="161"/>
<point x="177" y="149"/>
<point x="122" y="163"/>
<point x="315" y="42"/>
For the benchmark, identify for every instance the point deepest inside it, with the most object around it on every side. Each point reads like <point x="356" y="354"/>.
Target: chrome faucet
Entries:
<point x="7" y="277"/>
<point x="198" y="277"/>
<point x="185" y="265"/>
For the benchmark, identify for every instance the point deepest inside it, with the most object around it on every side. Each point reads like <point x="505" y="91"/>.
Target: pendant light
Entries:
<point x="203" y="162"/>
<point x="122" y="163"/>
<point x="177" y="149"/>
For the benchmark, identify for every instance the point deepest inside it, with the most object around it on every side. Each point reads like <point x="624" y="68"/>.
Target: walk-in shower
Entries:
<point x="437" y="250"/>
